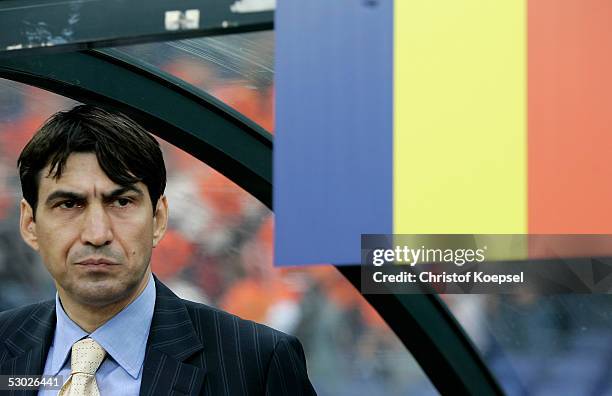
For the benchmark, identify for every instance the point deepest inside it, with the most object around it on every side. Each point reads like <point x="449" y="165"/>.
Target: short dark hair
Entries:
<point x="126" y="152"/>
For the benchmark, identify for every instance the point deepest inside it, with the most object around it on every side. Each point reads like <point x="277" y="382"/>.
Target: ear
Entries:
<point x="160" y="220"/>
<point x="27" y="226"/>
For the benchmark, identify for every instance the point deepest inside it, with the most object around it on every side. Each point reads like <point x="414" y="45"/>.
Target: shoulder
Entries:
<point x="273" y="357"/>
<point x="225" y="337"/>
<point x="237" y="354"/>
<point x="11" y="320"/>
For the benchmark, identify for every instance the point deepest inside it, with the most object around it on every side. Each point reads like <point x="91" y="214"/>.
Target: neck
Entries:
<point x="90" y="317"/>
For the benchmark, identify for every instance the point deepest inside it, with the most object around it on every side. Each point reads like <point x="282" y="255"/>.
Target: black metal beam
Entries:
<point x="45" y="26"/>
<point x="435" y="339"/>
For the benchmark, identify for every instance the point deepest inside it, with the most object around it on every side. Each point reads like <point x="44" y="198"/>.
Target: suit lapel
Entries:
<point x="172" y="339"/>
<point x="29" y="344"/>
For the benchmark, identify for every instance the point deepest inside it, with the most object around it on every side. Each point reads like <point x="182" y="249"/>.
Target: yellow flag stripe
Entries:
<point x="460" y="155"/>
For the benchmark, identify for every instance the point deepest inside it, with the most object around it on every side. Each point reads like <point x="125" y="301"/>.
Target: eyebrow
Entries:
<point x="122" y="190"/>
<point x="71" y="195"/>
<point x="62" y="194"/>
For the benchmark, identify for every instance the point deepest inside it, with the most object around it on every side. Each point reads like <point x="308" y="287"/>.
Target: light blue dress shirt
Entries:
<point x="123" y="337"/>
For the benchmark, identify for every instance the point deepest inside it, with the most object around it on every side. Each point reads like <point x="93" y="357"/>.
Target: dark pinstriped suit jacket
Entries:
<point x="192" y="349"/>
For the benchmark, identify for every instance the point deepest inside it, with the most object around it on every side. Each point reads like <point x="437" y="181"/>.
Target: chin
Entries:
<point x="101" y="293"/>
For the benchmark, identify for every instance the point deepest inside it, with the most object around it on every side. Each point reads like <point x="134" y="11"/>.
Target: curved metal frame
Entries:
<point x="242" y="151"/>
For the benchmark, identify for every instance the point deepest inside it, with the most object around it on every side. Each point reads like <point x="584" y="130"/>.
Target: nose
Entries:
<point x="97" y="227"/>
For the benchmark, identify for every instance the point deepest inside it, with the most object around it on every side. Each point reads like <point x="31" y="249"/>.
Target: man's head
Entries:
<point x="93" y="207"/>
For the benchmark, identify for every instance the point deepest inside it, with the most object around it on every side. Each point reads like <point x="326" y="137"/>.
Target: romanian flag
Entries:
<point x="440" y="117"/>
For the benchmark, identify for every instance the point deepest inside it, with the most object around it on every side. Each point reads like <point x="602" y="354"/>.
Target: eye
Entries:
<point x="69" y="204"/>
<point x="122" y="202"/>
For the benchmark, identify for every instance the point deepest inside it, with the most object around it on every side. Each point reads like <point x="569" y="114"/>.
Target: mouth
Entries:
<point x="94" y="263"/>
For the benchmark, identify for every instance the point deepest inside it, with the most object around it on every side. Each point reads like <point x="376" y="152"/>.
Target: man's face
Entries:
<point x="94" y="236"/>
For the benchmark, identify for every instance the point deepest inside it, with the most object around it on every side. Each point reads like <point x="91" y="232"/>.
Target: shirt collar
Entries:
<point x="134" y="320"/>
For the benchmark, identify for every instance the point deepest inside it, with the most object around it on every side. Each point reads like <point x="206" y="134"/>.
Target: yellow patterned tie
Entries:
<point x="87" y="355"/>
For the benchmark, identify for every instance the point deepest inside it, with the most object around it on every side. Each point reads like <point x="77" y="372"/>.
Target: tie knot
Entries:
<point x="87" y="355"/>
